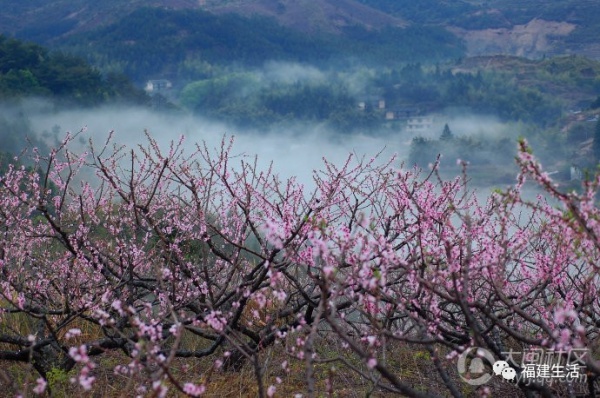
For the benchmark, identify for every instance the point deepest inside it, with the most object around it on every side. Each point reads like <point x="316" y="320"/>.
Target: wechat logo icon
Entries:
<point x="499" y="366"/>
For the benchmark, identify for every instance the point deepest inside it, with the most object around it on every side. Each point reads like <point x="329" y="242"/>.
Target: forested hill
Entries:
<point x="159" y="42"/>
<point x="531" y="28"/>
<point x="44" y="21"/>
<point x="29" y="70"/>
<point x="179" y="38"/>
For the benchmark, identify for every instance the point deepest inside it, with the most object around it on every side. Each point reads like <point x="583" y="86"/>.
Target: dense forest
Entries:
<point x="154" y="42"/>
<point x="535" y="92"/>
<point x="27" y="69"/>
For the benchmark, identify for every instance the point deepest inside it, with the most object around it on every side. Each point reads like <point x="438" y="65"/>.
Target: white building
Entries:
<point x="419" y="124"/>
<point x="154" y="86"/>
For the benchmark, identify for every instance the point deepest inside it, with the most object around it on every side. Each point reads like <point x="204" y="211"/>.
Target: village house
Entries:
<point x="372" y="104"/>
<point x="419" y="124"/>
<point x="156" y="86"/>
<point x="402" y="114"/>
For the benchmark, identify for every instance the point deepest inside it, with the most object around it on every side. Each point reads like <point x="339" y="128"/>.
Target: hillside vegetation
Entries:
<point x="52" y="23"/>
<point x="27" y="69"/>
<point x="513" y="89"/>
<point x="151" y="42"/>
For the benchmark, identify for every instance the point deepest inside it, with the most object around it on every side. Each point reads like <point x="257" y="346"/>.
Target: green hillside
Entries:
<point x="158" y="42"/>
<point x="28" y="70"/>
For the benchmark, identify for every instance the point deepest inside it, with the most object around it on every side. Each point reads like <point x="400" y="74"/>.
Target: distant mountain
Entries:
<point x="46" y="22"/>
<point x="125" y="36"/>
<point x="313" y="16"/>
<point x="182" y="44"/>
<point x="148" y="38"/>
<point x="530" y="28"/>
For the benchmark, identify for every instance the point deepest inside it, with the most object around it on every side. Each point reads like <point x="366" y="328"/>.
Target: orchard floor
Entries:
<point x="332" y="379"/>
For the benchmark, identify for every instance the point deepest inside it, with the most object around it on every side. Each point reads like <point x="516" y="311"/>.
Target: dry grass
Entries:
<point x="411" y="364"/>
<point x="332" y="379"/>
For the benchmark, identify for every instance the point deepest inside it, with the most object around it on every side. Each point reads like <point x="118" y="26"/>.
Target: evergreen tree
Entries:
<point x="446" y="134"/>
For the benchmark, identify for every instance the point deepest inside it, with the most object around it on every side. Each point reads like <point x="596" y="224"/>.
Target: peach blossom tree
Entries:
<point x="167" y="254"/>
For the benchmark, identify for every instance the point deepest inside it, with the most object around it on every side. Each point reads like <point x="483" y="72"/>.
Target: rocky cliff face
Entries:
<point x="533" y="40"/>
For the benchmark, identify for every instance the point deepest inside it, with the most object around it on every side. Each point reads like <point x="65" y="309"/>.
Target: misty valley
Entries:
<point x="486" y="103"/>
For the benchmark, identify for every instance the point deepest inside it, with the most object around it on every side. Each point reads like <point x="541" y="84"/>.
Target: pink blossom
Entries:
<point x="160" y="388"/>
<point x="193" y="389"/>
<point x="175" y="242"/>
<point x="40" y="386"/>
<point x="72" y="333"/>
<point x="371" y="363"/>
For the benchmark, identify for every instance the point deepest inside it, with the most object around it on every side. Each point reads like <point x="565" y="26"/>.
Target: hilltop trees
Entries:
<point x="243" y="99"/>
<point x="446" y="133"/>
<point x="169" y="254"/>
<point x="29" y="70"/>
<point x="474" y="149"/>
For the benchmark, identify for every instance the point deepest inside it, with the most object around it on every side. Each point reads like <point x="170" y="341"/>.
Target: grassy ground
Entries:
<point x="339" y="373"/>
<point x="333" y="379"/>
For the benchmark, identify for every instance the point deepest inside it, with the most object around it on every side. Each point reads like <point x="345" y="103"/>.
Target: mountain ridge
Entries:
<point x="30" y="20"/>
<point x="303" y="15"/>
<point x="45" y="22"/>
<point x="532" y="28"/>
